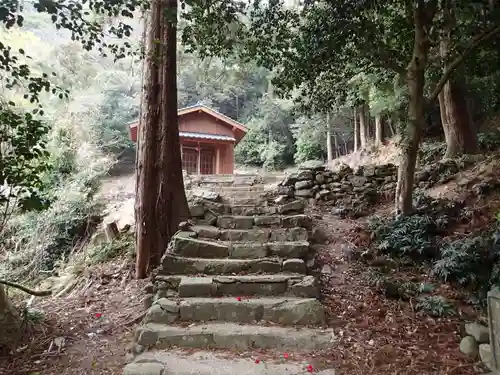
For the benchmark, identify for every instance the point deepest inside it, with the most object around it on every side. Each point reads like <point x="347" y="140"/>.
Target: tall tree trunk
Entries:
<point x="147" y="149"/>
<point x="379" y="130"/>
<point x="329" y="138"/>
<point x="459" y="132"/>
<point x="356" y="130"/>
<point x="10" y="322"/>
<point x="336" y="143"/>
<point x="172" y="205"/>
<point x="410" y="137"/>
<point x="363" y="126"/>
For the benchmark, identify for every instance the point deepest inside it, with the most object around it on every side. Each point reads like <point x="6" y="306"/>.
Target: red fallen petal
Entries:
<point x="257" y="360"/>
<point x="98" y="315"/>
<point x="310" y="368"/>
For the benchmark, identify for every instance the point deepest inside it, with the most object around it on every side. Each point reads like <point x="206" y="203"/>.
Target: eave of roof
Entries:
<point x="206" y="136"/>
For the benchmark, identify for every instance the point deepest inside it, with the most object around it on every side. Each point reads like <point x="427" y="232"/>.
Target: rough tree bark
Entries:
<point x="172" y="205"/>
<point x="459" y="131"/>
<point x="410" y="137"/>
<point x="363" y="126"/>
<point x="356" y="130"/>
<point x="10" y="322"/>
<point x="379" y="130"/>
<point x="147" y="153"/>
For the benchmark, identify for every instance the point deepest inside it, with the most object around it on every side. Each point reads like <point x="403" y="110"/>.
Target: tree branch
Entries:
<point x="450" y="69"/>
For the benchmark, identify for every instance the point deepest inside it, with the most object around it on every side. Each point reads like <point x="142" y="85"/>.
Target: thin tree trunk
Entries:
<point x="10" y="322"/>
<point x="147" y="153"/>
<point x="172" y="205"/>
<point x="356" y="130"/>
<point x="390" y="126"/>
<point x="329" y="139"/>
<point x="363" y="126"/>
<point x="459" y="132"/>
<point x="379" y="130"/>
<point x="336" y="143"/>
<point x="416" y="113"/>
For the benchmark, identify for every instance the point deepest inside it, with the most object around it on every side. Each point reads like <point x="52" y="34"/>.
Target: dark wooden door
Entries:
<point x="190" y="160"/>
<point x="207" y="161"/>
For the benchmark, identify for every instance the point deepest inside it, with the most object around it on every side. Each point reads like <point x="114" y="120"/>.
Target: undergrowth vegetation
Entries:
<point x="470" y="261"/>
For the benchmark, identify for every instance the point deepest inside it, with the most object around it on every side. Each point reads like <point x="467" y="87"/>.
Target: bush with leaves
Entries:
<point x="435" y="306"/>
<point x="405" y="236"/>
<point x="490" y="140"/>
<point x="472" y="262"/>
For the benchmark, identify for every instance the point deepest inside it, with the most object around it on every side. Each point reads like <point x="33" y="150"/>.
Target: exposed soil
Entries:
<point x="94" y="324"/>
<point x="379" y="335"/>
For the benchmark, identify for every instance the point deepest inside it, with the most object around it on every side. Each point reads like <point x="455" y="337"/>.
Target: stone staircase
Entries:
<point x="235" y="277"/>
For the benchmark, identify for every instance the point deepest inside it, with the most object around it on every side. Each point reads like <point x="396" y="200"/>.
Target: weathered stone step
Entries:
<point x="285" y="311"/>
<point x="295" y="207"/>
<point x="245" y="285"/>
<point x="162" y="362"/>
<point x="172" y="264"/>
<point x="251" y="235"/>
<point x="248" y="222"/>
<point x="196" y="248"/>
<point x="234" y="336"/>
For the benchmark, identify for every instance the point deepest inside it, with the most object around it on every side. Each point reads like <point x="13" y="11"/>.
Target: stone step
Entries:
<point x="234" y="336"/>
<point x="293" y="285"/>
<point x="248" y="222"/>
<point x="246" y="200"/>
<point x="284" y="311"/>
<point x="295" y="207"/>
<point x="162" y="362"/>
<point x="251" y="235"/>
<point x="172" y="264"/>
<point x="197" y="248"/>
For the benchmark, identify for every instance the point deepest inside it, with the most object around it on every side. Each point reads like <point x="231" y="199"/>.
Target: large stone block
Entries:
<point x="191" y="247"/>
<point x="251" y="285"/>
<point x="289" y="234"/>
<point x="494" y="326"/>
<point x="248" y="250"/>
<point x="244" y="235"/>
<point x="267" y="221"/>
<point x="197" y="287"/>
<point x="235" y="222"/>
<point x="288" y="250"/>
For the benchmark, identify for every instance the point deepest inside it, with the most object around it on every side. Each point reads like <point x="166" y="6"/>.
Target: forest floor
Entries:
<point x="90" y="331"/>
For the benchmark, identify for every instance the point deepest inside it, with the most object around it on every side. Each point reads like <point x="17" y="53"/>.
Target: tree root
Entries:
<point x="37" y="293"/>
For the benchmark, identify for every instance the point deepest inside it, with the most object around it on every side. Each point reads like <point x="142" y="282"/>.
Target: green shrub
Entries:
<point x="407" y="235"/>
<point x="35" y="241"/>
<point x="104" y="252"/>
<point x="435" y="306"/>
<point x="472" y="262"/>
<point x="489" y="141"/>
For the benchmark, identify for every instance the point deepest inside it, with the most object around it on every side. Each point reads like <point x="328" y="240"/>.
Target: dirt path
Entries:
<point x="94" y="322"/>
<point x="378" y="335"/>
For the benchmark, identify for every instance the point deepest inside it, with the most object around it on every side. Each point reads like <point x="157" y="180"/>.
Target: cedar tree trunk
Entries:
<point x="379" y="130"/>
<point x="459" y="132"/>
<point x="363" y="126"/>
<point x="172" y="205"/>
<point x="147" y="153"/>
<point x="356" y="130"/>
<point x="329" y="149"/>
